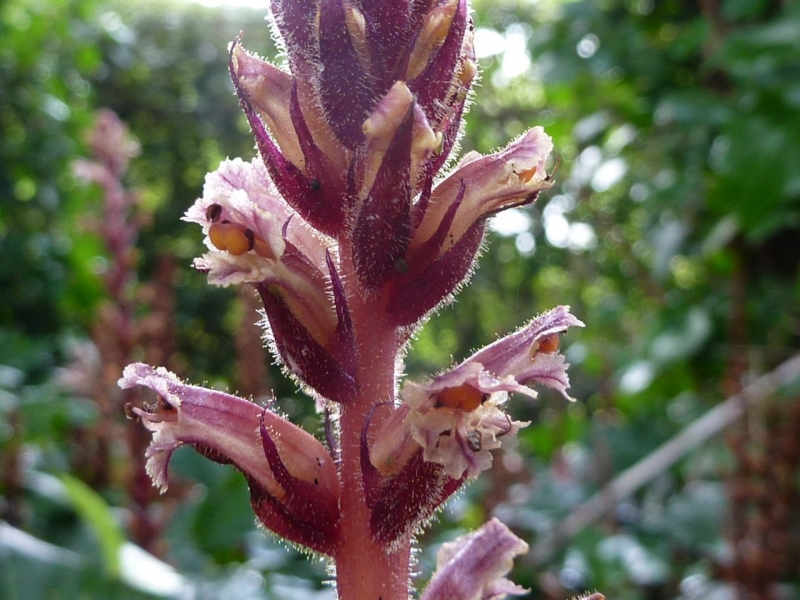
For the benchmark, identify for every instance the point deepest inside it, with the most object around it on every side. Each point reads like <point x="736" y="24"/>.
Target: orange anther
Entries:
<point x="464" y="397"/>
<point x="231" y="238"/>
<point x="549" y="343"/>
<point x="217" y="236"/>
<point x="237" y="242"/>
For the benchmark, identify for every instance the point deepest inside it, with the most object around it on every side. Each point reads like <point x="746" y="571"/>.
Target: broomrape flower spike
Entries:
<point x="349" y="231"/>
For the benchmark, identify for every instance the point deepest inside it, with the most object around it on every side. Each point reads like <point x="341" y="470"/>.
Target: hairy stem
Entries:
<point x="365" y="570"/>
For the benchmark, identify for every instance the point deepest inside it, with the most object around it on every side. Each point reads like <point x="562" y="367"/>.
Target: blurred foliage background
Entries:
<point x="673" y="231"/>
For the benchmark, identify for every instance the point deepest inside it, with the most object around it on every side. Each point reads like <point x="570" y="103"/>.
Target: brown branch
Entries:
<point x="666" y="455"/>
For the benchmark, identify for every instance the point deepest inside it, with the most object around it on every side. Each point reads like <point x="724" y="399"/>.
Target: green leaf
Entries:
<point x="96" y="513"/>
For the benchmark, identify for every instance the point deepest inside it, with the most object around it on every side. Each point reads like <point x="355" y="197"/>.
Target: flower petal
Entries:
<point x="472" y="566"/>
<point x="293" y="478"/>
<point x="245" y="189"/>
<point x="225" y="425"/>
<point x="457" y="418"/>
<point x="530" y="354"/>
<point x="506" y="178"/>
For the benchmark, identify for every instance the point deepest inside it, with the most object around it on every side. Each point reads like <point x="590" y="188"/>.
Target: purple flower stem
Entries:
<point x="365" y="570"/>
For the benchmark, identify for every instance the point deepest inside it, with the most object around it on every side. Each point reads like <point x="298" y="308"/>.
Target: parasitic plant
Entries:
<point x="351" y="233"/>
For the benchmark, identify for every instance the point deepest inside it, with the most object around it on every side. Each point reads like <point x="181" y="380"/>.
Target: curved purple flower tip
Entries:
<point x="472" y="567"/>
<point x="530" y="354"/>
<point x="293" y="479"/>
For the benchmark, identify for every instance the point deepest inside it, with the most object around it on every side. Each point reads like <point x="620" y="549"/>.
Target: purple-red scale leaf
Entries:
<point x="345" y="336"/>
<point x="413" y="297"/>
<point x="409" y="498"/>
<point x="277" y="518"/>
<point x="432" y="85"/>
<point x="383" y="227"/>
<point x="345" y="88"/>
<point x="308" y="501"/>
<point x="302" y="354"/>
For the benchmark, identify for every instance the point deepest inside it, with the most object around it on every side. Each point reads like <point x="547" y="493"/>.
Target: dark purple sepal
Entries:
<point x="345" y="337"/>
<point x="313" y="510"/>
<point x="302" y="354"/>
<point x="413" y="296"/>
<point x="433" y="84"/>
<point x="326" y="181"/>
<point x="287" y="518"/>
<point x="421" y="205"/>
<point x="387" y="33"/>
<point x="346" y="90"/>
<point x="403" y="502"/>
<point x="450" y="128"/>
<point x="400" y="503"/>
<point x="295" y="20"/>
<point x="382" y="229"/>
<point x="279" y="520"/>
<point x="303" y="193"/>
